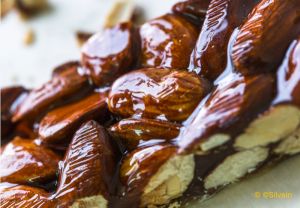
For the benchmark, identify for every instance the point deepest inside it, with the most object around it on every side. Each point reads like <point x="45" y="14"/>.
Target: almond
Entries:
<point x="110" y="53"/>
<point x="62" y="121"/>
<point x="209" y="57"/>
<point x="24" y="162"/>
<point x="65" y="83"/>
<point x="157" y="93"/>
<point x="167" y="42"/>
<point x="265" y="36"/>
<point x="133" y="132"/>
<point x="193" y="9"/>
<point x="231" y="106"/>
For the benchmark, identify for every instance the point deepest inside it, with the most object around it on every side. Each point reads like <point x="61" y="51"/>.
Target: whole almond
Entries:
<point x="165" y="94"/>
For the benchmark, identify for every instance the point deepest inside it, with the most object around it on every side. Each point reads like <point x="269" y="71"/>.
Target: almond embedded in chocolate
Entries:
<point x="62" y="121"/>
<point x="235" y="167"/>
<point x="209" y="57"/>
<point x="231" y="106"/>
<point x="110" y="53"/>
<point x="270" y="127"/>
<point x="157" y="93"/>
<point x="24" y="162"/>
<point x="156" y="174"/>
<point x="167" y="42"/>
<point x="67" y="84"/>
<point x="133" y="132"/>
<point x="265" y="36"/>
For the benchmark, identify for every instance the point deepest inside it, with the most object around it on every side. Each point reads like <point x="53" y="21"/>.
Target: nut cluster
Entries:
<point x="159" y="113"/>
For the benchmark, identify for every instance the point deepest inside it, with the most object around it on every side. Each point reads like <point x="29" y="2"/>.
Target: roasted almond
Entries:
<point x="132" y="131"/>
<point x="62" y="121"/>
<point x="230" y="108"/>
<point x="265" y="36"/>
<point x="65" y="83"/>
<point x="88" y="167"/>
<point x="192" y="9"/>
<point x="209" y="57"/>
<point x="157" y="93"/>
<point x="110" y="53"/>
<point x="10" y="98"/>
<point x="24" y="162"/>
<point x="84" y="177"/>
<point x="167" y="42"/>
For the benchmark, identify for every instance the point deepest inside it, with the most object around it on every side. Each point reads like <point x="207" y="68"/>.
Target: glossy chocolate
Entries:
<point x="288" y="76"/>
<point x="110" y="53"/>
<point x="57" y="90"/>
<point x="209" y="57"/>
<point x="61" y="122"/>
<point x="157" y="93"/>
<point x="167" y="42"/>
<point x="192" y="9"/>
<point x="265" y="36"/>
<point x="228" y="109"/>
<point x="10" y="97"/>
<point x="24" y="162"/>
<point x="134" y="132"/>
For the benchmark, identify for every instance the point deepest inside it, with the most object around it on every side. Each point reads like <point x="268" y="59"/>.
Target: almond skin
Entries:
<point x="265" y="36"/>
<point x="157" y="93"/>
<point x="133" y="132"/>
<point x="167" y="42"/>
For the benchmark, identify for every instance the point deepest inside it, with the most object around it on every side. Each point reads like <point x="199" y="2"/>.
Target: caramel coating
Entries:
<point x="209" y="57"/>
<point x="165" y="94"/>
<point x="167" y="42"/>
<point x="133" y="132"/>
<point x="265" y="36"/>
<point x="24" y="162"/>
<point x="62" y="121"/>
<point x="110" y="53"/>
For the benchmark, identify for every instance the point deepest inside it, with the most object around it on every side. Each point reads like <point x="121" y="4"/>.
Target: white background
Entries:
<point x="55" y="43"/>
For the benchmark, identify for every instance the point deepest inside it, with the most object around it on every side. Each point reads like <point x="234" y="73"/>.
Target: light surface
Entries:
<point x="55" y="43"/>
